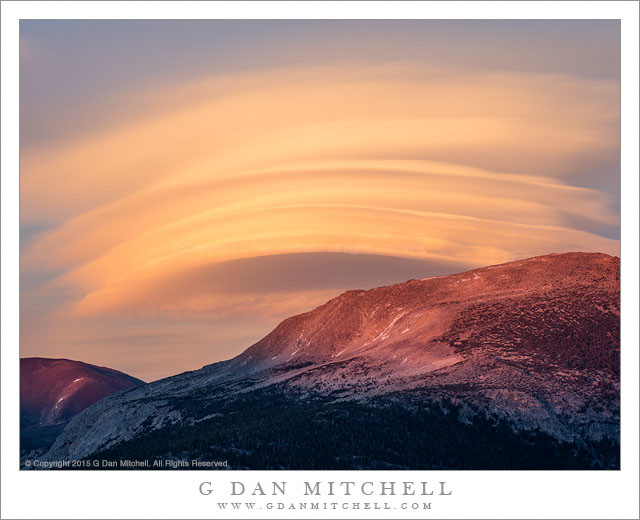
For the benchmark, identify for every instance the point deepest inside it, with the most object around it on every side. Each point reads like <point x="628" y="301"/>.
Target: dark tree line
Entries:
<point x="267" y="430"/>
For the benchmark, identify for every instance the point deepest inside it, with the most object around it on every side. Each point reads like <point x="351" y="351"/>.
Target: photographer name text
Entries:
<point x="330" y="488"/>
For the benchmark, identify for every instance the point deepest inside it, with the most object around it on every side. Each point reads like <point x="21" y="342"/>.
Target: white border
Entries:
<point x="174" y="495"/>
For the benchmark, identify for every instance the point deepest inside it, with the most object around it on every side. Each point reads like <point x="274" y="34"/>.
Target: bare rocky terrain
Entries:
<point x="514" y="366"/>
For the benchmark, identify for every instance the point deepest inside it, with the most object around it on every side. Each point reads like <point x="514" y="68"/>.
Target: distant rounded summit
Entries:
<point x="53" y="391"/>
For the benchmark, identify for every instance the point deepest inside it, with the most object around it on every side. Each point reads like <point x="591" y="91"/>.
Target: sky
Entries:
<point x="186" y="185"/>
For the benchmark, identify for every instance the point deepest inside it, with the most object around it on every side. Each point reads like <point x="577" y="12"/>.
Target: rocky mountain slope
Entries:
<point x="53" y="391"/>
<point x="523" y="355"/>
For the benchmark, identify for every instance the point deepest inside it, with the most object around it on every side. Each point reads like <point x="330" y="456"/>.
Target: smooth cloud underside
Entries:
<point x="460" y="168"/>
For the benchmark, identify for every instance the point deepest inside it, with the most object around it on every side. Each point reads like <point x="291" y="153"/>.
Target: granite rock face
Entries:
<point x="531" y="347"/>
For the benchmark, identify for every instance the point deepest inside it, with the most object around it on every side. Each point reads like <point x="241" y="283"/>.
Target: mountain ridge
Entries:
<point x="54" y="390"/>
<point x="532" y="343"/>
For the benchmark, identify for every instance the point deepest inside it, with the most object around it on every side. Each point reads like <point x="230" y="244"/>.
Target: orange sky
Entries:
<point x="395" y="159"/>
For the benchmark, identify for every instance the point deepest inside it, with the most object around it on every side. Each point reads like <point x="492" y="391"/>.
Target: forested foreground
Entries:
<point x="266" y="429"/>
